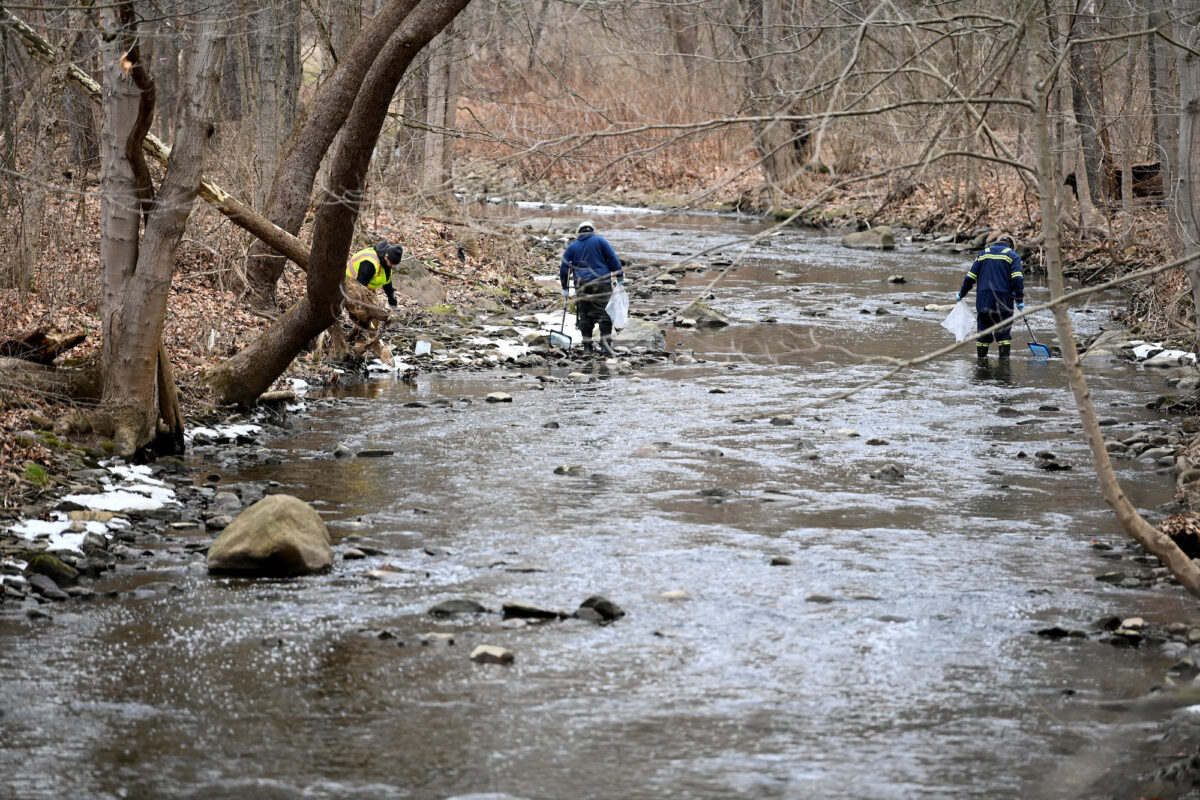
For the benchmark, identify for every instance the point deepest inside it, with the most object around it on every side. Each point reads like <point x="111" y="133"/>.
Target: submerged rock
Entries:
<point x="461" y="605"/>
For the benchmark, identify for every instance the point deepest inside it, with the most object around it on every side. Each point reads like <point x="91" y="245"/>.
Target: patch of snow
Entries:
<point x="56" y="532"/>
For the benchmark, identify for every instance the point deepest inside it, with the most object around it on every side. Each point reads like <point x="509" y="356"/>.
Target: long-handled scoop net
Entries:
<point x="1038" y="349"/>
<point x="559" y="338"/>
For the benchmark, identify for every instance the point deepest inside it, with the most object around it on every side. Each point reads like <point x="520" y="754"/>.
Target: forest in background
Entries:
<point x="311" y="128"/>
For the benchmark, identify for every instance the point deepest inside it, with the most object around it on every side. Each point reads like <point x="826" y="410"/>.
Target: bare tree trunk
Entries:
<point x="38" y="114"/>
<point x="1127" y="146"/>
<point x="440" y="112"/>
<point x="276" y="34"/>
<point x="1155" y="541"/>
<point x="773" y="138"/>
<point x="1165" y="102"/>
<point x="248" y="374"/>
<point x="1187" y="201"/>
<point x="535" y="36"/>
<point x="137" y="275"/>
<point x="1087" y="91"/>
<point x="81" y="121"/>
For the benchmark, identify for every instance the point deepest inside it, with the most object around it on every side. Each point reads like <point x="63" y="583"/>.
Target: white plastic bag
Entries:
<point x="618" y="307"/>
<point x="961" y="321"/>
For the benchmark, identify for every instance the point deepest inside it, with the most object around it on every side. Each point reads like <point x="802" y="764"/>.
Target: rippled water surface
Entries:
<point x="893" y="658"/>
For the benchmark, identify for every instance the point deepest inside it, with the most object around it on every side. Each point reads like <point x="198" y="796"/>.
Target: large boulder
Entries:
<point x="278" y="535"/>
<point x="411" y="279"/>
<point x="878" y="238"/>
<point x="640" y="333"/>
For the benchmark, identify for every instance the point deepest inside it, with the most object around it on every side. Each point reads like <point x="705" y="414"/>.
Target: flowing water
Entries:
<point x="893" y="658"/>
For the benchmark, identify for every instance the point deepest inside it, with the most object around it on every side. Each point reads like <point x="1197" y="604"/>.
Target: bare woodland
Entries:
<point x="271" y="141"/>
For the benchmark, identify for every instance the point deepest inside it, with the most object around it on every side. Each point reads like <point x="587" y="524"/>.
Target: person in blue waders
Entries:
<point x="1000" y="286"/>
<point x="593" y="261"/>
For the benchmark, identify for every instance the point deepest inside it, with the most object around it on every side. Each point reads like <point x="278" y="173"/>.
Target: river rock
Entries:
<point x="411" y="279"/>
<point x="640" y="333"/>
<point x="878" y="238"/>
<point x="278" y="535"/>
<point x="226" y="503"/>
<point x="607" y="609"/>
<point x="521" y="610"/>
<point x="491" y="654"/>
<point x="460" y="605"/>
<point x="888" y="472"/>
<point x="499" y="397"/>
<point x="704" y="316"/>
<point x="53" y="568"/>
<point x="46" y="587"/>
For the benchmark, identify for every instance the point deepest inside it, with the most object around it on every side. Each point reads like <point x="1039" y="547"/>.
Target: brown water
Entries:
<point x="892" y="659"/>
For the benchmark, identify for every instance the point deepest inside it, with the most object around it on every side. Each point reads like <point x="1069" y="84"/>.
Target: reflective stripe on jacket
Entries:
<point x="365" y="256"/>
<point x="997" y="270"/>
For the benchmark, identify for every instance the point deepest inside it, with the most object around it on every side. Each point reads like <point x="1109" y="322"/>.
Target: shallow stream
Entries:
<point x="894" y="657"/>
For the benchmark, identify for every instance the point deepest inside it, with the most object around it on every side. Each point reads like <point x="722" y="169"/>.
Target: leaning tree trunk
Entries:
<point x="1038" y="87"/>
<point x="248" y="374"/>
<point x="292" y="186"/>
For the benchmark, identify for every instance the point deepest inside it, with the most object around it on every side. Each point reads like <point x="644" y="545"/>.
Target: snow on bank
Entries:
<point x="124" y="489"/>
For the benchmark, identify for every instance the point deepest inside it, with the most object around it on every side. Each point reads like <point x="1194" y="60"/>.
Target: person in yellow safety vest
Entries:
<point x="372" y="267"/>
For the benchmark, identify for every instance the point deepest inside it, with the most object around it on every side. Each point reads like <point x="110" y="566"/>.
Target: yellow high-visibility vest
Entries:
<point x="356" y="261"/>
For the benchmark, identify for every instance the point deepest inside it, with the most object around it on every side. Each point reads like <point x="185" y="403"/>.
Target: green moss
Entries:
<point x="36" y="474"/>
<point x="442" y="309"/>
<point x="108" y="446"/>
<point x="50" y="440"/>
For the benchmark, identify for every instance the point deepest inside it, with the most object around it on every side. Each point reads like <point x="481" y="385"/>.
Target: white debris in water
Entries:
<point x="226" y="433"/>
<point x="1155" y="352"/>
<point x="299" y="385"/>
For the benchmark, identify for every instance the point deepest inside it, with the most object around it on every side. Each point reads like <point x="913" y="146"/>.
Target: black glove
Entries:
<point x="391" y="294"/>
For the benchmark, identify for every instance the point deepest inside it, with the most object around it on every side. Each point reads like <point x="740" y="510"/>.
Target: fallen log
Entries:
<point x="41" y="346"/>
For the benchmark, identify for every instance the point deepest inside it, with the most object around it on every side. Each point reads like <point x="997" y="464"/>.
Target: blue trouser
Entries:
<point x="987" y="319"/>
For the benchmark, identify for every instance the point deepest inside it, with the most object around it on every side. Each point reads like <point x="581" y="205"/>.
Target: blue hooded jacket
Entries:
<point x="592" y="259"/>
<point x="997" y="270"/>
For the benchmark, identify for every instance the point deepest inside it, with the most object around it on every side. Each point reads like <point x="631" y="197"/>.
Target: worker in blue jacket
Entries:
<point x="1001" y="286"/>
<point x="594" y="264"/>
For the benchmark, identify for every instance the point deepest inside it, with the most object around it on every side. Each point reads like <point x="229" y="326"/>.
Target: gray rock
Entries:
<point x="704" y="316"/>
<point x="640" y="333"/>
<point x="462" y="605"/>
<point x="412" y="279"/>
<point x="603" y="606"/>
<point x="878" y="238"/>
<point x="43" y="585"/>
<point x="529" y="611"/>
<point x="888" y="472"/>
